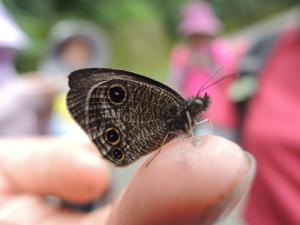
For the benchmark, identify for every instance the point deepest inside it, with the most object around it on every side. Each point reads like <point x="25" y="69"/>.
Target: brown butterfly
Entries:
<point x="128" y="115"/>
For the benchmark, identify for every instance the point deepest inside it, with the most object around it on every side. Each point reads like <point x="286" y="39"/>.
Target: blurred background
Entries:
<point x="180" y="43"/>
<point x="141" y="33"/>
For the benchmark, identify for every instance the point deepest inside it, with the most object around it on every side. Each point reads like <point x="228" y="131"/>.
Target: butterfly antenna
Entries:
<point x="209" y="79"/>
<point x="215" y="82"/>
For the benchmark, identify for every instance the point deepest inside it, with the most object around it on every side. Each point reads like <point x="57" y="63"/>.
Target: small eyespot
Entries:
<point x="117" y="94"/>
<point x="117" y="154"/>
<point x="112" y="136"/>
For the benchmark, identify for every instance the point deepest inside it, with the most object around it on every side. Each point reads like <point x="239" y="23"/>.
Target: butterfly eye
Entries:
<point x="117" y="94"/>
<point x="117" y="154"/>
<point x="112" y="136"/>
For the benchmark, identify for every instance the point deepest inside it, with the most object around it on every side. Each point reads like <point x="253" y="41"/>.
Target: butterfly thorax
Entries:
<point x="186" y="117"/>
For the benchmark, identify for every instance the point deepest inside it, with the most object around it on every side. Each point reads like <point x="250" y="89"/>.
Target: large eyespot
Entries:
<point x="112" y="136"/>
<point x="117" y="154"/>
<point x="117" y="94"/>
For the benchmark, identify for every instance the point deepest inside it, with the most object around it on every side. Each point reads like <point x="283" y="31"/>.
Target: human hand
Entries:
<point x="192" y="181"/>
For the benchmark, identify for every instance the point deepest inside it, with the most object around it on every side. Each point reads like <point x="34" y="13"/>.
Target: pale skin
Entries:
<point x="192" y="181"/>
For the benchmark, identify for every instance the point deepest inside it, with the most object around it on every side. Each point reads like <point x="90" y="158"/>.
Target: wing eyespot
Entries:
<point x="112" y="136"/>
<point x="117" y="94"/>
<point x="117" y="154"/>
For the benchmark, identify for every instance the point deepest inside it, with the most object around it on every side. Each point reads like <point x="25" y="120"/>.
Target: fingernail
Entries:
<point x="219" y="211"/>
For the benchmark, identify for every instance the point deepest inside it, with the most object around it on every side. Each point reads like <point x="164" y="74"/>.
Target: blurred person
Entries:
<point x="73" y="44"/>
<point x="201" y="56"/>
<point x="24" y="102"/>
<point x="263" y="106"/>
<point x="267" y="96"/>
<point x="174" y="189"/>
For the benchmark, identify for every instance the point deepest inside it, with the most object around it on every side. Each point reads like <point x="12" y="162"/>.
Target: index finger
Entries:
<point x="69" y="169"/>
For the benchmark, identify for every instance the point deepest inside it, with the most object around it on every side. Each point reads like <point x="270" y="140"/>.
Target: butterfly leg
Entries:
<point x="204" y="121"/>
<point x="159" y="149"/>
<point x="200" y="131"/>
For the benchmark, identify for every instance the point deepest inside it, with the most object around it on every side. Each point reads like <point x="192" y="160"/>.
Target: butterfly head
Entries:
<point x="197" y="104"/>
<point x="192" y="109"/>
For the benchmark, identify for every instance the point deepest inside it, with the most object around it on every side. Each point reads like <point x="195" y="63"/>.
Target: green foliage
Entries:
<point x="141" y="31"/>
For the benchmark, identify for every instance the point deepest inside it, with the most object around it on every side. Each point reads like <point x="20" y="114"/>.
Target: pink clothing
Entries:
<point x="191" y="68"/>
<point x="271" y="133"/>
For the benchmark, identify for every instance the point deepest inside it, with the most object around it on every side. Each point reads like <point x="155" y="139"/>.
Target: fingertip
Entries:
<point x="85" y="178"/>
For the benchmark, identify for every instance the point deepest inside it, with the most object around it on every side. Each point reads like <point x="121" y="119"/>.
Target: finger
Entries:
<point x="70" y="169"/>
<point x="31" y="209"/>
<point x="191" y="181"/>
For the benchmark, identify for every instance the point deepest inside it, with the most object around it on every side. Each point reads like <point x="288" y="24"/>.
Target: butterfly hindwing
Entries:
<point x="121" y="111"/>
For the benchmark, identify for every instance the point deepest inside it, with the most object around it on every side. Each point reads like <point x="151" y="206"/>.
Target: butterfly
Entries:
<point x="128" y="115"/>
